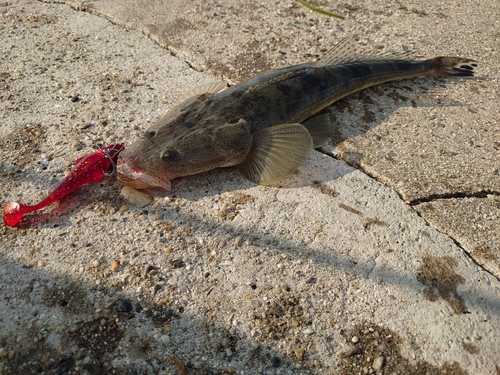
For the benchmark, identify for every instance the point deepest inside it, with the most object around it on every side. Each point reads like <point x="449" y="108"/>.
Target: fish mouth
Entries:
<point x="137" y="179"/>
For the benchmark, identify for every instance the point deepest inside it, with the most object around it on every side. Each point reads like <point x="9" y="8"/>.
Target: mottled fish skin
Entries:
<point x="212" y="130"/>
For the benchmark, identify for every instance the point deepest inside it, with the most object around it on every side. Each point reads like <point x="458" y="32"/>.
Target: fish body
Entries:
<point x="264" y="125"/>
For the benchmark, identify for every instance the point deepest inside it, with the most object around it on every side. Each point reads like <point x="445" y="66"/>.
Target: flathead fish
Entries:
<point x="266" y="125"/>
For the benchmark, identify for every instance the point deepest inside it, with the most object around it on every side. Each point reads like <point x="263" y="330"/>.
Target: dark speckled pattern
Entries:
<point x="214" y="130"/>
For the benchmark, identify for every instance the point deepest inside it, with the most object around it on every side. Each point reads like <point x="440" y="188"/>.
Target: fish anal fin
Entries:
<point x="207" y="88"/>
<point x="320" y="128"/>
<point x="276" y="153"/>
<point x="347" y="51"/>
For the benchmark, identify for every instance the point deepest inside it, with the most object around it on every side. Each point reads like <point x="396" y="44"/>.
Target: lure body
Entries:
<point x="90" y="168"/>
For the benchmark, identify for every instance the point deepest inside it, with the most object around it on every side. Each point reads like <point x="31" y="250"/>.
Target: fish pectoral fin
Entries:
<point x="320" y="128"/>
<point x="207" y="88"/>
<point x="276" y="153"/>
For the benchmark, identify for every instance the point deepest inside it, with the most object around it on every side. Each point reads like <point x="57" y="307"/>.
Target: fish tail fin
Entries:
<point x="452" y="66"/>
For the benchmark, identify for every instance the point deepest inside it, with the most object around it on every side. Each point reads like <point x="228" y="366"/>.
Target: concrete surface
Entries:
<point x="430" y="139"/>
<point x="354" y="265"/>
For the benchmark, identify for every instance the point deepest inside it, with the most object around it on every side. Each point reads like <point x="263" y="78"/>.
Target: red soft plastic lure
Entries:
<point x="90" y="168"/>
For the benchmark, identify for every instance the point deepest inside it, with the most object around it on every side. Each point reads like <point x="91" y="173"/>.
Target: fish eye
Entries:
<point x="168" y="154"/>
<point x="147" y="134"/>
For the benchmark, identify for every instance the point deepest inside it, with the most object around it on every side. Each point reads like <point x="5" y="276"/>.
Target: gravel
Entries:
<point x="221" y="276"/>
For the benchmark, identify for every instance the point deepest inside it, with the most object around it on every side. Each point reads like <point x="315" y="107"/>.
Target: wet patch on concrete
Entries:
<point x="438" y="274"/>
<point x="324" y="189"/>
<point x="370" y="222"/>
<point x="471" y="348"/>
<point x="485" y="252"/>
<point x="350" y="209"/>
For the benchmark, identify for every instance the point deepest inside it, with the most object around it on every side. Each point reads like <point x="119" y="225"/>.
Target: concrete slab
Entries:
<point x="428" y="139"/>
<point x="475" y="222"/>
<point x="330" y="273"/>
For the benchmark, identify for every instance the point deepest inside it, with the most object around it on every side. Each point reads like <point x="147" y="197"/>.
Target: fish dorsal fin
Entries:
<point x="276" y="153"/>
<point x="210" y="88"/>
<point x="347" y="51"/>
<point x="320" y="128"/>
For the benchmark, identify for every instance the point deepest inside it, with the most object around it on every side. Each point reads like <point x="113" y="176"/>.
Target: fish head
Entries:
<point x="176" y="149"/>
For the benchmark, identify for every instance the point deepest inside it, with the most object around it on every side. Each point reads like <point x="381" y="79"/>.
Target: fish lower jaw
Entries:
<point x="139" y="180"/>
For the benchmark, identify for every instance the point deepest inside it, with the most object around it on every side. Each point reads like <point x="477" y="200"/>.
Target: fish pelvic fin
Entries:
<point x="347" y="51"/>
<point x="320" y="129"/>
<point x="452" y="66"/>
<point x="276" y="153"/>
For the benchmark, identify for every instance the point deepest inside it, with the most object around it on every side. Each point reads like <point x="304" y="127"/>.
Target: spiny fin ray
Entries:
<point x="348" y="51"/>
<point x="210" y="88"/>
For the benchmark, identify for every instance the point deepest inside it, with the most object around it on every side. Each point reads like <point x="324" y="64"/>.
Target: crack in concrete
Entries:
<point x="80" y="7"/>
<point x="457" y="243"/>
<point x="433" y="197"/>
<point x="377" y="255"/>
<point x="430" y="198"/>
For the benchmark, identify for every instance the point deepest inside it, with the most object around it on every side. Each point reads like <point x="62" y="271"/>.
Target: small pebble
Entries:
<point x="308" y="331"/>
<point x="378" y="363"/>
<point x="355" y="339"/>
<point x="299" y="353"/>
<point x="352" y="352"/>
<point x="135" y="197"/>
<point x="65" y="366"/>
<point x="254" y="333"/>
<point x="181" y="367"/>
<point x="238" y="241"/>
<point x="256" y="303"/>
<point x="276" y="362"/>
<point x="92" y="368"/>
<point x="165" y="339"/>
<point x="148" y="268"/>
<point x="124" y="306"/>
<point x="114" y="265"/>
<point x="76" y="145"/>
